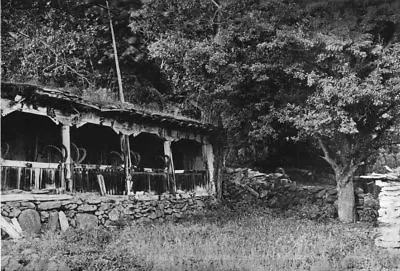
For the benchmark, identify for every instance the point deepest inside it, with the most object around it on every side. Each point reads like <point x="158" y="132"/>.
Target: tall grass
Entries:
<point x="222" y="240"/>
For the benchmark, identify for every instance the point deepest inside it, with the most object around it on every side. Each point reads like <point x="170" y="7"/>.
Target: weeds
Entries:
<point x="252" y="239"/>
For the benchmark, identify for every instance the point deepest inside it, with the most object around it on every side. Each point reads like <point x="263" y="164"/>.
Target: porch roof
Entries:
<point x="73" y="104"/>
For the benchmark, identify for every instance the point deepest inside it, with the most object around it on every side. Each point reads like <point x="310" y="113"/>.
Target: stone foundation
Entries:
<point x="88" y="210"/>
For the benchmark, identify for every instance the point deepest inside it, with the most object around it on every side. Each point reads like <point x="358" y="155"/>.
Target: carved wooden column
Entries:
<point x="126" y="150"/>
<point x="66" y="141"/>
<point x="208" y="156"/>
<point x="168" y="151"/>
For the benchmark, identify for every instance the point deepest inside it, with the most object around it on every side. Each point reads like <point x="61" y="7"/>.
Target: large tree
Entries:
<point x="329" y="68"/>
<point x="227" y="59"/>
<point x="354" y="69"/>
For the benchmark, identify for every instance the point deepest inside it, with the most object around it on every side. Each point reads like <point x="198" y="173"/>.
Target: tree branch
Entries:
<point x="327" y="156"/>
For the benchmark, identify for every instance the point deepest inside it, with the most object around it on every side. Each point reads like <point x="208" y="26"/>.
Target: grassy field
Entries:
<point x="247" y="239"/>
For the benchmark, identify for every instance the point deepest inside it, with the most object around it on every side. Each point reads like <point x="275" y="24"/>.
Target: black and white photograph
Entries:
<point x="196" y="135"/>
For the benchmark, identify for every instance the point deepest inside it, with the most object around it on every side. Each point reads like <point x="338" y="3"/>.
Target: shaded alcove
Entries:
<point x="26" y="137"/>
<point x="150" y="148"/>
<point x="101" y="144"/>
<point x="187" y="155"/>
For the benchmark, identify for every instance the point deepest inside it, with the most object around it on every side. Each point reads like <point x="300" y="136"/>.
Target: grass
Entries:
<point x="224" y="239"/>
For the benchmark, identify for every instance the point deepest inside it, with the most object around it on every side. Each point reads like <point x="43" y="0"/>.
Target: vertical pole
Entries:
<point x="66" y="141"/>
<point x="127" y="153"/>
<point x="121" y="93"/>
<point x="208" y="156"/>
<point x="126" y="150"/>
<point x="168" y="151"/>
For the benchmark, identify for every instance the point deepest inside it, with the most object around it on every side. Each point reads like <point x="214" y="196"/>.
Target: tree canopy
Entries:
<point x="268" y="71"/>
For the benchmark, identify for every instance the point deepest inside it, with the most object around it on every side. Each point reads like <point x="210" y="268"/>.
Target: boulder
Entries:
<point x="30" y="221"/>
<point x="86" y="221"/>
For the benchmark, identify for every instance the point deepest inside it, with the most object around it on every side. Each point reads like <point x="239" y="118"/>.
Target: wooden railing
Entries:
<point x="25" y="175"/>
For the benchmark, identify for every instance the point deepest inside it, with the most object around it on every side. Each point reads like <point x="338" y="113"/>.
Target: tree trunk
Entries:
<point x="346" y="199"/>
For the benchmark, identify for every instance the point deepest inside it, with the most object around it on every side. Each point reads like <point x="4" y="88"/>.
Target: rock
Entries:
<point x="72" y="223"/>
<point x="321" y="194"/>
<point x="200" y="203"/>
<point x="44" y="216"/>
<point x="358" y="190"/>
<point x="331" y="199"/>
<point x="87" y="208"/>
<point x="48" y="205"/>
<point x="264" y="194"/>
<point x="113" y="215"/>
<point x="70" y="213"/>
<point x="53" y="223"/>
<point x="86" y="221"/>
<point x="71" y="206"/>
<point x="332" y="191"/>
<point x="14" y="212"/>
<point x="104" y="206"/>
<point x="27" y="205"/>
<point x="152" y="216"/>
<point x="30" y="221"/>
<point x="5" y="207"/>
<point x="4" y="213"/>
<point x="98" y="213"/>
<point x="93" y="201"/>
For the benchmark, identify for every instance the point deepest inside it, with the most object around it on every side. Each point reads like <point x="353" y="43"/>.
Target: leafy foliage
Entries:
<point x="68" y="44"/>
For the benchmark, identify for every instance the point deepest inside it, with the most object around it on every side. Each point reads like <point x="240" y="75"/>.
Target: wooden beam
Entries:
<point x="28" y="164"/>
<point x="33" y="197"/>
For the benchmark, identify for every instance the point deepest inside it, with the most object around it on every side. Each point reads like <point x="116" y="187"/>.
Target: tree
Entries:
<point x="227" y="59"/>
<point x="328" y="68"/>
<point x="355" y="74"/>
<point x="67" y="44"/>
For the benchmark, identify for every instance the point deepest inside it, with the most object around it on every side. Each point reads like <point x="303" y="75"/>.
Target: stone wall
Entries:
<point x="389" y="214"/>
<point x="277" y="190"/>
<point x="89" y="210"/>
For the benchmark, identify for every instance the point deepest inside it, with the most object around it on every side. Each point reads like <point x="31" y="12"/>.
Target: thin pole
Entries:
<point x="125" y="138"/>
<point x="121" y="92"/>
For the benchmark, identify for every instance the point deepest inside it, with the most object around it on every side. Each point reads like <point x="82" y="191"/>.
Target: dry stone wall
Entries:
<point x="88" y="211"/>
<point x="389" y="214"/>
<point x="277" y="190"/>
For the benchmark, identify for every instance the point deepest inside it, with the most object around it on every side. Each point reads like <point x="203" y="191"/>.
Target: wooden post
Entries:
<point x="126" y="150"/>
<point x="66" y="141"/>
<point x="208" y="156"/>
<point x="168" y="151"/>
